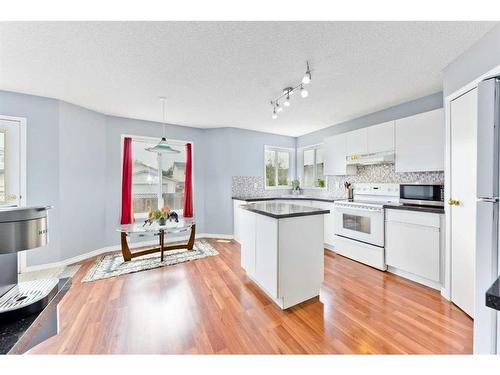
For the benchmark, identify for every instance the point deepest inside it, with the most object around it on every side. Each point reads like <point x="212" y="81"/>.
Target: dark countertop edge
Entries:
<point x="20" y="346"/>
<point x="285" y="216"/>
<point x="431" y="210"/>
<point x="493" y="295"/>
<point x="254" y="199"/>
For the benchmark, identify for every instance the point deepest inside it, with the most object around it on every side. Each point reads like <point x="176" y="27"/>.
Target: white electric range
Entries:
<point x="359" y="224"/>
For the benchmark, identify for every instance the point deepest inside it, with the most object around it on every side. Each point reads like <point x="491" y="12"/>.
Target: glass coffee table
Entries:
<point x="138" y="229"/>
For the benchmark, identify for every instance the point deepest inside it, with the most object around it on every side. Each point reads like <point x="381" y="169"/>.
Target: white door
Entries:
<point x="463" y="116"/>
<point x="10" y="163"/>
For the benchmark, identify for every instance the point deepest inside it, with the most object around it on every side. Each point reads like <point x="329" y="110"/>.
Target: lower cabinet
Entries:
<point x="284" y="257"/>
<point x="329" y="237"/>
<point x="414" y="245"/>
<point x="329" y="234"/>
<point x="247" y="222"/>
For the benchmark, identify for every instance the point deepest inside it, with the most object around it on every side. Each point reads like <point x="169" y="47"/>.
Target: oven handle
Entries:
<point x="359" y="209"/>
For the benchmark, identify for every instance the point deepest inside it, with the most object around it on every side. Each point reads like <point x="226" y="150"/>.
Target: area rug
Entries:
<point x="111" y="265"/>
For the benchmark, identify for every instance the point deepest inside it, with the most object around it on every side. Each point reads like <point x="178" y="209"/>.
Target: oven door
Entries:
<point x="361" y="224"/>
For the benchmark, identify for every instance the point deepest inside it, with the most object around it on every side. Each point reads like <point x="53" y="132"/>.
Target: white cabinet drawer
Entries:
<point x="413" y="217"/>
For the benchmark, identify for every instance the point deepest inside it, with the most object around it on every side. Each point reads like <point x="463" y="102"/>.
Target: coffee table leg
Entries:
<point x="127" y="255"/>
<point x="190" y="243"/>
<point x="162" y="241"/>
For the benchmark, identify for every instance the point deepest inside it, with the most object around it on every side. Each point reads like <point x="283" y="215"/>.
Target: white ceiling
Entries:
<point x="218" y="74"/>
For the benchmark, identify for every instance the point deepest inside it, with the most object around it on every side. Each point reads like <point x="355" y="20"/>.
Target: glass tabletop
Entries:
<point x="169" y="227"/>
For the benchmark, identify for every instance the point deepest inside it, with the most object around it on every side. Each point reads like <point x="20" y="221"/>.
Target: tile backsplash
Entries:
<point x="384" y="173"/>
<point x="253" y="186"/>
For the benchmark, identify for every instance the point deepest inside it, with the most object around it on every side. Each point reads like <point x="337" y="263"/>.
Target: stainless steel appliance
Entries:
<point x="486" y="327"/>
<point x="359" y="223"/>
<point x="422" y="194"/>
<point x="21" y="228"/>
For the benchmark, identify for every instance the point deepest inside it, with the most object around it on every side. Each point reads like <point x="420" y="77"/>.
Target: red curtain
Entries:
<point x="188" y="188"/>
<point x="127" y="213"/>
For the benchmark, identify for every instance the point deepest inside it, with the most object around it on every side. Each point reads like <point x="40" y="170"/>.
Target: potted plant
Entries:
<point x="321" y="183"/>
<point x="296" y="187"/>
<point x="160" y="215"/>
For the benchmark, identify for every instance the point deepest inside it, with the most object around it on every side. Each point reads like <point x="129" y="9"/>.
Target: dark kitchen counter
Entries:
<point x="493" y="295"/>
<point x="409" y="207"/>
<point x="288" y="198"/>
<point x="21" y="335"/>
<point x="278" y="210"/>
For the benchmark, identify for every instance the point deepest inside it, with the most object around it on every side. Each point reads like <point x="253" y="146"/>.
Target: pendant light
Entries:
<point x="163" y="147"/>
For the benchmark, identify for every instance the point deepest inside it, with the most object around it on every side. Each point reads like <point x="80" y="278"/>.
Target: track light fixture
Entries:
<point x="288" y="92"/>
<point x="307" y="77"/>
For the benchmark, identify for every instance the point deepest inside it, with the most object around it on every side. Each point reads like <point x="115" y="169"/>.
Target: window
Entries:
<point x="146" y="192"/>
<point x="278" y="167"/>
<point x="313" y="167"/>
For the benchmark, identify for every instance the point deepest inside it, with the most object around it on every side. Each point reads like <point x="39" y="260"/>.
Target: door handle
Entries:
<point x="453" y="202"/>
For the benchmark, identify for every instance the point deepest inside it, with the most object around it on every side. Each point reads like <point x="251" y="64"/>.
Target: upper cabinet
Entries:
<point x="377" y="138"/>
<point x="357" y="142"/>
<point x="334" y="154"/>
<point x="419" y="142"/>
<point x="380" y="137"/>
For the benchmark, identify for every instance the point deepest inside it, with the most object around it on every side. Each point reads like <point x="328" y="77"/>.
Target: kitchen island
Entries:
<point x="282" y="250"/>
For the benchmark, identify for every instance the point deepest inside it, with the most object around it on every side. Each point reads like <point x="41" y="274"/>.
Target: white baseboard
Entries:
<point x="420" y="280"/>
<point x="107" y="249"/>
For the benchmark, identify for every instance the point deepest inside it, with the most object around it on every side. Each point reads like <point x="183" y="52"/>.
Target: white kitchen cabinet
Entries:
<point x="419" y="142"/>
<point x="334" y="155"/>
<point x="237" y="218"/>
<point x="329" y="235"/>
<point x="247" y="240"/>
<point x="283" y="256"/>
<point x="357" y="142"/>
<point x="266" y="254"/>
<point x="381" y="137"/>
<point x="414" y="245"/>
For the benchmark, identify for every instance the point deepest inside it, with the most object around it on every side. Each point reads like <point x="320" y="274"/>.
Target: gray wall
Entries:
<point x="82" y="179"/>
<point x="115" y="127"/>
<point x="74" y="164"/>
<point x="424" y="104"/>
<point x="42" y="116"/>
<point x="483" y="56"/>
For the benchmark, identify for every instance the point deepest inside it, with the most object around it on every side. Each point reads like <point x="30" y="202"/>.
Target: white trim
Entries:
<point x="143" y="138"/>
<point x="107" y="249"/>
<point x="314" y="147"/>
<point x="446" y="288"/>
<point x="414" y="278"/>
<point x="23" y="180"/>
<point x="291" y="166"/>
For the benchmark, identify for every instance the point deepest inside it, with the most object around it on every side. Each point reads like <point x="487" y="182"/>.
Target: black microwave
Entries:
<point x="422" y="194"/>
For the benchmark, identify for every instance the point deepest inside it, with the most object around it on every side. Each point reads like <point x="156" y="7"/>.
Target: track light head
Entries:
<point x="303" y="92"/>
<point x="307" y="76"/>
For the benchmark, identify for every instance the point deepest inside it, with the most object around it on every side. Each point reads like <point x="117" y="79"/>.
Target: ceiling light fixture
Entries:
<point x="289" y="91"/>
<point x="303" y="92"/>
<point x="307" y="76"/>
<point x="275" y="115"/>
<point x="163" y="147"/>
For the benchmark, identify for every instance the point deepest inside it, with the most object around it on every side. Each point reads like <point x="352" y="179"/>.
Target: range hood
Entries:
<point x="371" y="159"/>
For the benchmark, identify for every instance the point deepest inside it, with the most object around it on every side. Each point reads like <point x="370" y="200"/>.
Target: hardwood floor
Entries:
<point x="210" y="306"/>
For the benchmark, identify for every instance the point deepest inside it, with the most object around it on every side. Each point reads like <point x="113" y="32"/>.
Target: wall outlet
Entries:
<point x="255" y="185"/>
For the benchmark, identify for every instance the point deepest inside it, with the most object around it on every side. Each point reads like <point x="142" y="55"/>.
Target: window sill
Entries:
<point x="278" y="187"/>
<point x="314" y="188"/>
